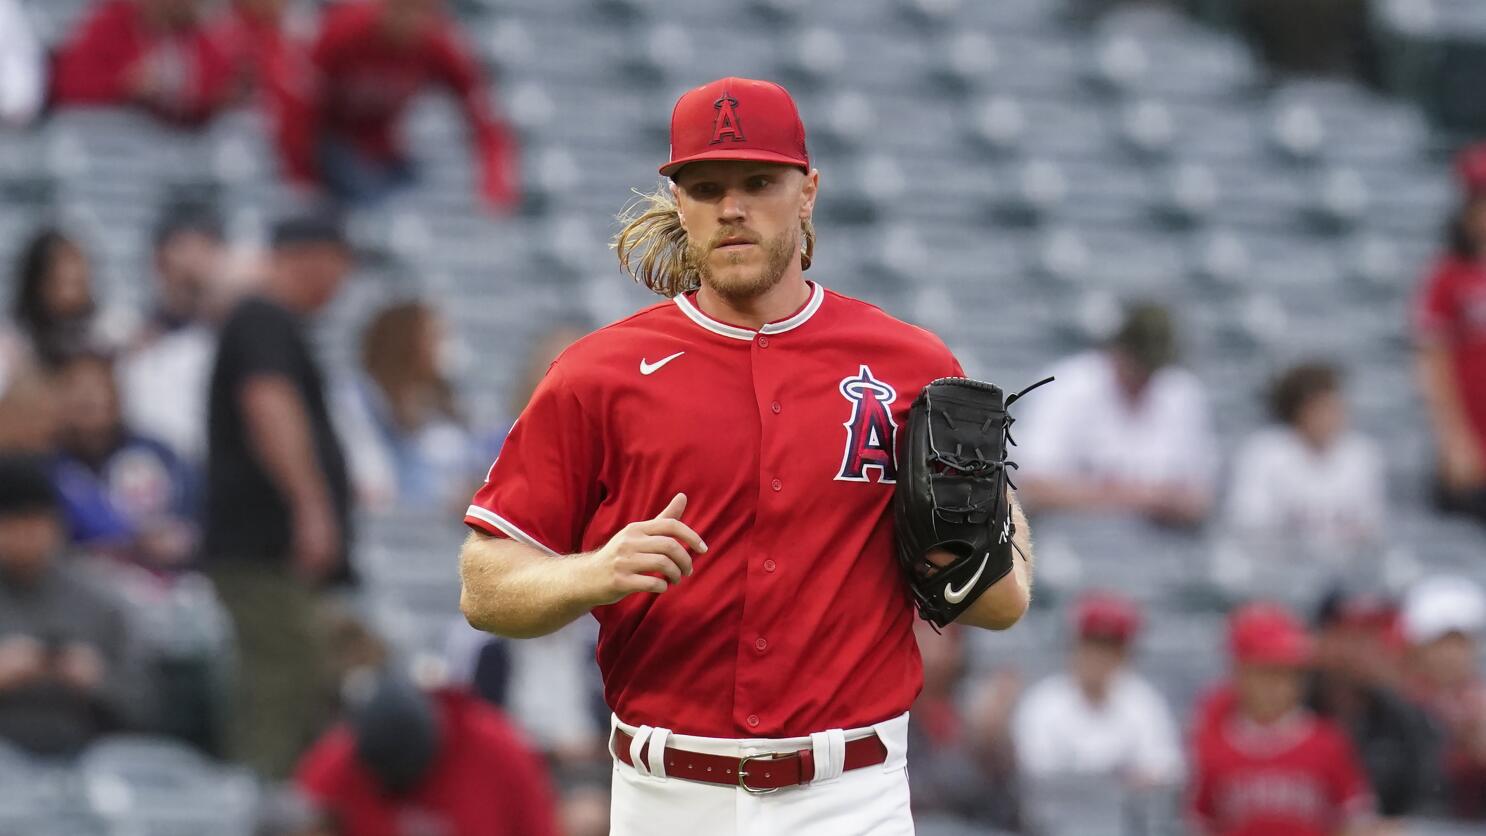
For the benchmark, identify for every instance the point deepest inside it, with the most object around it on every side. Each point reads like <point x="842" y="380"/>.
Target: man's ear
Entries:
<point x="676" y="200"/>
<point x="808" y="191"/>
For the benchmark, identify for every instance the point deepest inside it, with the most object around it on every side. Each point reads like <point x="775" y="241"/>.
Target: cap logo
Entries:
<point x="726" y="124"/>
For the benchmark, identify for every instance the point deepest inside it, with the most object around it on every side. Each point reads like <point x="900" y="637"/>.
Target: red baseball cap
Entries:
<point x="1106" y="616"/>
<point x="737" y="119"/>
<point x="1268" y="634"/>
<point x="1471" y="168"/>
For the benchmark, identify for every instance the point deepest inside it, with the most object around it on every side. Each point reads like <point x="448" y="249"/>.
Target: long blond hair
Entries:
<point x="652" y="246"/>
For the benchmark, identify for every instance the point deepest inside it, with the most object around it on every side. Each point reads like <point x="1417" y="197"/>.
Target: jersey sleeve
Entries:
<point x="1434" y="307"/>
<point x="544" y="484"/>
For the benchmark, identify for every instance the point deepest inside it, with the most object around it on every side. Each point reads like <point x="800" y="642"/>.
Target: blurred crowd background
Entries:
<point x="280" y="273"/>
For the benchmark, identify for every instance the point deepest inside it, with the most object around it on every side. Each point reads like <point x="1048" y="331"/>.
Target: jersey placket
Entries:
<point x="758" y="635"/>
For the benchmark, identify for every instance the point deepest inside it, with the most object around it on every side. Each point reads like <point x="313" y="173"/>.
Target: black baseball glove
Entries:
<point x="951" y="495"/>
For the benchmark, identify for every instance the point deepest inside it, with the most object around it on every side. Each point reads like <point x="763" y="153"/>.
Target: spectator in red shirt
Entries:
<point x="1265" y="765"/>
<point x="150" y="53"/>
<point x="412" y="762"/>
<point x="268" y="62"/>
<point x="373" y="58"/>
<point x="1450" y="318"/>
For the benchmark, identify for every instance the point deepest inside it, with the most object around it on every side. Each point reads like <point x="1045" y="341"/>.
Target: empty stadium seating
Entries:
<point x="1001" y="170"/>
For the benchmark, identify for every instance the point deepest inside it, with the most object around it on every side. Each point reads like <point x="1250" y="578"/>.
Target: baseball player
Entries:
<point x="714" y="479"/>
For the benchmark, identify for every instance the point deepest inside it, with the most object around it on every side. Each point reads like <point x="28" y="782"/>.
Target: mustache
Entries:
<point x="724" y="234"/>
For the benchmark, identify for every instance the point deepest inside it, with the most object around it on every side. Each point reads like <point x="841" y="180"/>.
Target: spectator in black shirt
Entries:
<point x="277" y="506"/>
<point x="1353" y="684"/>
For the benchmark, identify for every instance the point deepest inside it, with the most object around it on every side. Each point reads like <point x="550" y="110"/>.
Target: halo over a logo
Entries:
<point x="726" y="125"/>
<point x="871" y="433"/>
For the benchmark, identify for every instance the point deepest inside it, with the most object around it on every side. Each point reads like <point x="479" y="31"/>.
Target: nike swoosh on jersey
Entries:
<point x="955" y="596"/>
<point x="652" y="368"/>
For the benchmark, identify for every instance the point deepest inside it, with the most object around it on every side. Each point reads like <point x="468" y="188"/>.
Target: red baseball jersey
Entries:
<point x="796" y="619"/>
<point x="1298" y="777"/>
<point x="1451" y="310"/>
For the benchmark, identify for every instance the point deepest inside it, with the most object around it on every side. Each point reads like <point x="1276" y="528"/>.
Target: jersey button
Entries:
<point x="753" y="721"/>
<point x="761" y="644"/>
<point x="776" y="407"/>
<point x="769" y="565"/>
<point x="777" y="485"/>
<point x="763" y="341"/>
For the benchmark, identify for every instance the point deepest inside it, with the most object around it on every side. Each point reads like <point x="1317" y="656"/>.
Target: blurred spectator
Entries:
<point x="270" y="61"/>
<point x="28" y="413"/>
<point x="1265" y="765"/>
<point x="413" y="762"/>
<point x="963" y="764"/>
<point x="1123" y="430"/>
<point x="54" y="304"/>
<point x="66" y="671"/>
<point x="404" y="432"/>
<point x="278" y="498"/>
<point x="1357" y="671"/>
<point x="1442" y="621"/>
<point x="165" y="374"/>
<point x="22" y="76"/>
<point x="374" y="57"/>
<point x="122" y="493"/>
<point x="1099" y="718"/>
<point x="539" y="356"/>
<point x="150" y="53"/>
<point x="1450" y="319"/>
<point x="1308" y="477"/>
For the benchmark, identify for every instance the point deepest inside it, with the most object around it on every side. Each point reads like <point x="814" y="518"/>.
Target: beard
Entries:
<point x="742" y="285"/>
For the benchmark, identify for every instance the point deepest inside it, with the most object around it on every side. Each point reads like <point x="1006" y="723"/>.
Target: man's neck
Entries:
<point x="778" y="302"/>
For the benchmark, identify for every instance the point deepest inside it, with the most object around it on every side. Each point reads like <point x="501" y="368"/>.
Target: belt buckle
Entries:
<point x="743" y="774"/>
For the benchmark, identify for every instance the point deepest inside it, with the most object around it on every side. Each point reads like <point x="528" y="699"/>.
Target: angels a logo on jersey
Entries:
<point x="871" y="433"/>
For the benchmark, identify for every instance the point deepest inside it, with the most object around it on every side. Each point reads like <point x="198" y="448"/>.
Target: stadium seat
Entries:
<point x="157" y="786"/>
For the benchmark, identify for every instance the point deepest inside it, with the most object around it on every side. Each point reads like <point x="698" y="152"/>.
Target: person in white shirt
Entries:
<point x="1099" y="717"/>
<point x="164" y="375"/>
<point x="22" y="81"/>
<point x="1123" y="430"/>
<point x="1308" y="477"/>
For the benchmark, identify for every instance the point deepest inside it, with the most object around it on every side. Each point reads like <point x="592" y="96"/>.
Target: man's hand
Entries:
<point x="80" y="666"/>
<point x="632" y="559"/>
<point x="317" y="542"/>
<point x="22" y="660"/>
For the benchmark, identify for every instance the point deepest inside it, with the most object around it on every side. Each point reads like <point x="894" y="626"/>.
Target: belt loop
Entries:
<point x="828" y="750"/>
<point x="636" y="746"/>
<point x="657" y="755"/>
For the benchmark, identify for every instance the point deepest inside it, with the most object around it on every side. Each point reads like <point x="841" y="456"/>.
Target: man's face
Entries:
<point x="1323" y="417"/>
<point x="1096" y="661"/>
<point x="403" y="19"/>
<point x="1449" y="661"/>
<point x="89" y="407"/>
<point x="28" y="540"/>
<point x="186" y="263"/>
<point x="742" y="222"/>
<point x="1268" y="692"/>
<point x="317" y="270"/>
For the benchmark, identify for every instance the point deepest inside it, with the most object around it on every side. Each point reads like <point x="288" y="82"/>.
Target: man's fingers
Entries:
<point x="644" y="583"/>
<point x="661" y="564"/>
<point x="674" y="509"/>
<point x="669" y="548"/>
<point x="677" y="530"/>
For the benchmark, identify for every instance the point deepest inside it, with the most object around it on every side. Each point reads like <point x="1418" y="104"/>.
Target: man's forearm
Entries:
<point x="1004" y="603"/>
<point x="279" y="431"/>
<point x="513" y="590"/>
<point x="1446" y="413"/>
